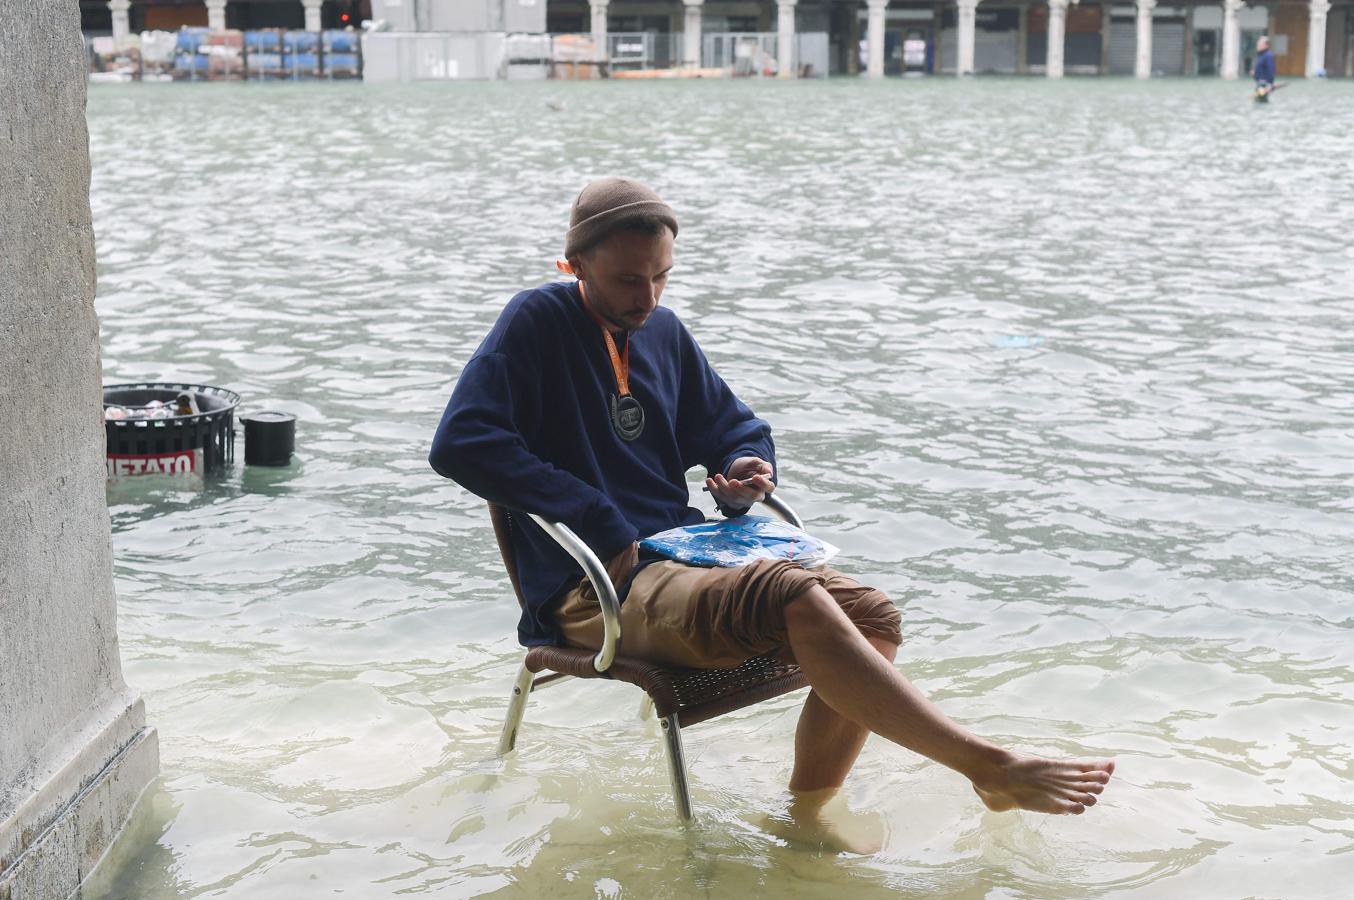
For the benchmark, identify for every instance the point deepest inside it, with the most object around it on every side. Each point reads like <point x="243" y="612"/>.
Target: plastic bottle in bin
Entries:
<point x="185" y="404"/>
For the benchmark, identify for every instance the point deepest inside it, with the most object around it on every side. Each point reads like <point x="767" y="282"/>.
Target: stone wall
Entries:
<point x="74" y="750"/>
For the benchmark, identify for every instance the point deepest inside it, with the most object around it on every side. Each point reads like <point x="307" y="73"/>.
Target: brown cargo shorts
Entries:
<point x="716" y="618"/>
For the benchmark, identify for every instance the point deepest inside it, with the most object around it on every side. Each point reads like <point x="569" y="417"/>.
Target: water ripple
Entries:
<point x="1065" y="368"/>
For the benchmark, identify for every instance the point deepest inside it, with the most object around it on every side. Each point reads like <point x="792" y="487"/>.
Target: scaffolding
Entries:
<point x="752" y="54"/>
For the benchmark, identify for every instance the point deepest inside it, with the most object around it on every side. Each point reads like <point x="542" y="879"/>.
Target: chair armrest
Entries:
<point x="601" y="583"/>
<point x="782" y="509"/>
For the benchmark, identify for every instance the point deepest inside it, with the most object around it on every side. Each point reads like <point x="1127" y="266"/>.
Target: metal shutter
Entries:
<point x="1168" y="48"/>
<point x="1123" y="46"/>
<point x="995" y="51"/>
<point x="949" y="51"/>
<point x="1081" y="52"/>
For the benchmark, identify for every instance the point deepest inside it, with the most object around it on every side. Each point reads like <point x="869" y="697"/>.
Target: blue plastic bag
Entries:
<point x="736" y="542"/>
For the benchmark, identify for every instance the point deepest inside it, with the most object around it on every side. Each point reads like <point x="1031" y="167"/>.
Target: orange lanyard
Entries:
<point x="620" y="362"/>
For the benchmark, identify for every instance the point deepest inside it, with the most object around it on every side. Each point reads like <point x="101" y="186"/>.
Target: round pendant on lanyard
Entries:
<point x="627" y="416"/>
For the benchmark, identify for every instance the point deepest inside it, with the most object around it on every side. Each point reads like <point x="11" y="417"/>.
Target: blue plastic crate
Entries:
<point x="340" y="41"/>
<point x="301" y="41"/>
<point x="265" y="62"/>
<point x="189" y="39"/>
<point x="190" y="62"/>
<point x="261" y="40"/>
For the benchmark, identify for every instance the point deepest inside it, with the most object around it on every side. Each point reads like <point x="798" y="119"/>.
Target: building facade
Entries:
<point x="106" y="17"/>
<point x="874" y="37"/>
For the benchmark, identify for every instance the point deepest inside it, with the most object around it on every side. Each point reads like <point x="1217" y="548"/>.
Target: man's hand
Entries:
<point x="749" y="481"/>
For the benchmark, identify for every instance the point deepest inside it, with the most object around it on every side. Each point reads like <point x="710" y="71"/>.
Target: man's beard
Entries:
<point x="621" y="324"/>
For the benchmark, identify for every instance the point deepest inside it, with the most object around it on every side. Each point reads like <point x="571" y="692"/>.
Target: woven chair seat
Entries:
<point x="681" y="697"/>
<point x="693" y="694"/>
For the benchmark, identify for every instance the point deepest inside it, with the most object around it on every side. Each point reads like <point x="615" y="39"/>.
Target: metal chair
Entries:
<point x="679" y="697"/>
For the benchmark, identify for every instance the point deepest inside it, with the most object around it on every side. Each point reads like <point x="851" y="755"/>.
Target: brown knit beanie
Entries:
<point x="605" y="203"/>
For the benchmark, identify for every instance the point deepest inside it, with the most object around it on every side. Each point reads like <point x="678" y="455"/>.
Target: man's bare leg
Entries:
<point x="852" y="678"/>
<point x="826" y="747"/>
<point x="826" y="742"/>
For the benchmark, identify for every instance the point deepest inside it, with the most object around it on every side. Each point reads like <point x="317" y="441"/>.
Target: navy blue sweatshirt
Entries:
<point x="1264" y="67"/>
<point x="529" y="427"/>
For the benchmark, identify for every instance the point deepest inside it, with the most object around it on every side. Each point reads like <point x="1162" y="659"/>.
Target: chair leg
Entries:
<point x="517" y="708"/>
<point x="645" y="708"/>
<point x="672" y="737"/>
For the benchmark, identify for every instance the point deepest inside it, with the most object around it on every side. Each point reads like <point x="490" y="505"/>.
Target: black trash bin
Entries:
<point x="177" y="445"/>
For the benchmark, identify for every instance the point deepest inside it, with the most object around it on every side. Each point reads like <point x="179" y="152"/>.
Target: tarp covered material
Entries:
<point x="429" y="56"/>
<point x="158" y="46"/>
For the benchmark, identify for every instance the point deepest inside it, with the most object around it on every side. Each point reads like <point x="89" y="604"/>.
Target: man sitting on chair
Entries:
<point x="586" y="404"/>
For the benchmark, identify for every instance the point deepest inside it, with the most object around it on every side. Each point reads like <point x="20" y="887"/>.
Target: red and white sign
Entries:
<point x="183" y="462"/>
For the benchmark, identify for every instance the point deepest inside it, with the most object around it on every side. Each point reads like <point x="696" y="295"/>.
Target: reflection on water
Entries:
<point x="1065" y="368"/>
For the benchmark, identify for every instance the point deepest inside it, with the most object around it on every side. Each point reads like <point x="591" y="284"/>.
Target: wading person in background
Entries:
<point x="586" y="404"/>
<point x="1264" y="68"/>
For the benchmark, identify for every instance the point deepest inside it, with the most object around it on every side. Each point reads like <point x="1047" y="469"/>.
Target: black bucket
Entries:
<point x="269" y="438"/>
<point x="177" y="445"/>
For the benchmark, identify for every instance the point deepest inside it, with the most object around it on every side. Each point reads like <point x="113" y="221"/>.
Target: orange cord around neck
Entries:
<point x="620" y="362"/>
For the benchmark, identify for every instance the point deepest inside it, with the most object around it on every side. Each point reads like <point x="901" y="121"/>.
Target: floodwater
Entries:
<point x="1066" y="368"/>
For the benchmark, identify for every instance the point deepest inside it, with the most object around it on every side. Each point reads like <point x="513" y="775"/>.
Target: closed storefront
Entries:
<point x="996" y="49"/>
<point x="1168" y="41"/>
<point x="1123" y="44"/>
<point x="1207" y="54"/>
<point x="1168" y="46"/>
<point x="1339" y="60"/>
<point x="996" y="44"/>
<point x="1289" y="39"/>
<point x="1081" y="41"/>
<point x="1081" y="54"/>
<point x="996" y="41"/>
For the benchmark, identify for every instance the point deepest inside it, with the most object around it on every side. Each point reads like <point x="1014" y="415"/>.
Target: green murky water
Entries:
<point x="1065" y="368"/>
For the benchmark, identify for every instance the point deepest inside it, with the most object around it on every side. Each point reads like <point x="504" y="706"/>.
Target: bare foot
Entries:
<point x="1060" y="787"/>
<point x="821" y="820"/>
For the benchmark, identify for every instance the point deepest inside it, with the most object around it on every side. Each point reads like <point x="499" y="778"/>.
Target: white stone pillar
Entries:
<point x="312" y="14"/>
<point x="599" y="26"/>
<point x="1057" y="35"/>
<point x="1142" y="64"/>
<point x="216" y="15"/>
<point x="968" y="26"/>
<point x="75" y="751"/>
<point x="874" y="39"/>
<point x="1316" y="37"/>
<point x="785" y="38"/>
<point x="121" y="21"/>
<point x="692" y="33"/>
<point x="1231" y="39"/>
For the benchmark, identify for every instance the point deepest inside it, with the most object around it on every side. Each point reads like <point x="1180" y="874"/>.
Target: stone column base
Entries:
<point x="75" y="811"/>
